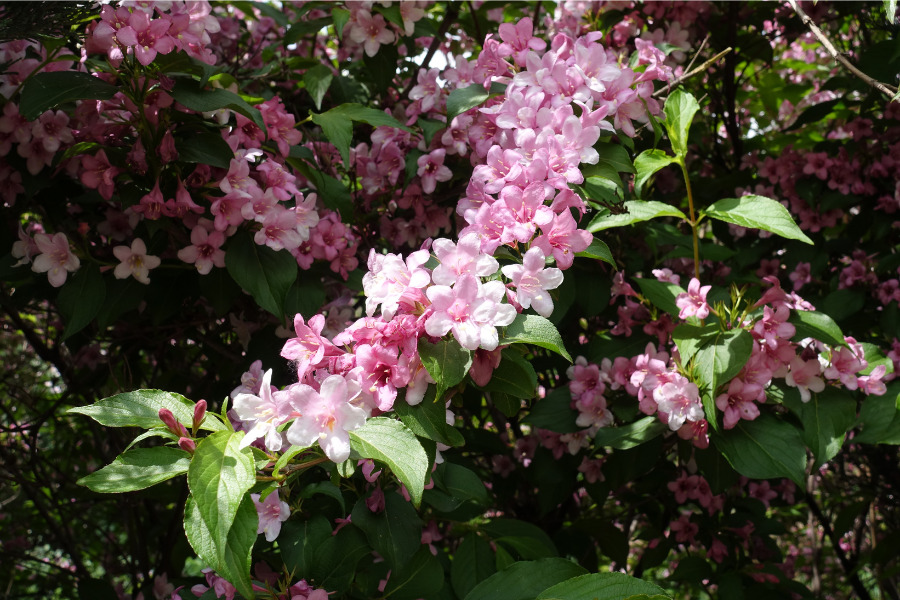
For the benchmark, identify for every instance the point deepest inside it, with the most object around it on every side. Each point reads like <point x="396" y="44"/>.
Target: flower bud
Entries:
<point x="187" y="444"/>
<point x="199" y="414"/>
<point x="166" y="416"/>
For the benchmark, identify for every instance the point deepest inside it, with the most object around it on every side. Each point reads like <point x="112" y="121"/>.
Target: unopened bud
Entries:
<point x="199" y="414"/>
<point x="187" y="444"/>
<point x="166" y="416"/>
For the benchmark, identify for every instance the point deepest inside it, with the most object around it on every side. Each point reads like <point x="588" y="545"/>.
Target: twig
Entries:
<point x="884" y="88"/>
<point x="697" y="53"/>
<point x="690" y="74"/>
<point x="449" y="17"/>
<point x="847" y="563"/>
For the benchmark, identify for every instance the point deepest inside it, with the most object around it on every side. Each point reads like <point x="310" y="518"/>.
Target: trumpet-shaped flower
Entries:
<point x="326" y="416"/>
<point x="532" y="281"/>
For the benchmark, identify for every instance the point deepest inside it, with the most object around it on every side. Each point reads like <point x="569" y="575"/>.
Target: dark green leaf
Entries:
<point x="646" y="165"/>
<point x="816" y="325"/>
<point x="765" y="448"/>
<point x="300" y="541"/>
<point x="206" y="148"/>
<point x="47" y="90"/>
<point x="638" y="211"/>
<point x="192" y="96"/>
<point x="420" y="577"/>
<point x="601" y="586"/>
<point x="140" y="408"/>
<point x="266" y="274"/>
<point x="826" y="419"/>
<point x="340" y="17"/>
<point x="879" y="418"/>
<point x="757" y="212"/>
<point x="337" y="124"/>
<point x="661" y="294"/>
<point x="689" y="339"/>
<point x="554" y="412"/>
<point x="534" y="329"/>
<point x="138" y="469"/>
<point x="395" y="533"/>
<point x="462" y="99"/>
<point x="334" y="560"/>
<point x="525" y="580"/>
<point x="446" y="361"/>
<point x="391" y="442"/>
<point x="718" y="361"/>
<point x="428" y="419"/>
<point x="473" y="562"/>
<point x="599" y="250"/>
<point x="616" y="156"/>
<point x="631" y="435"/>
<point x="514" y="376"/>
<point x="81" y="299"/>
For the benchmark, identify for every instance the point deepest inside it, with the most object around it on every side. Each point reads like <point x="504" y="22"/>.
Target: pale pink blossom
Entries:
<point x="471" y="310"/>
<point x="693" y="302"/>
<point x="532" y="281"/>
<point x="804" y="375"/>
<point x="204" y="251"/>
<point x="264" y="412"/>
<point x="432" y="170"/>
<point x="326" y="416"/>
<point x="56" y="258"/>
<point x="272" y="512"/>
<point x="464" y="256"/>
<point x="134" y="261"/>
<point x="370" y="30"/>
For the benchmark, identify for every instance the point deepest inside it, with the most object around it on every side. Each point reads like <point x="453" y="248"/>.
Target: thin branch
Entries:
<point x="449" y="18"/>
<point x="677" y="82"/>
<point x="884" y="88"/>
<point x="847" y="563"/>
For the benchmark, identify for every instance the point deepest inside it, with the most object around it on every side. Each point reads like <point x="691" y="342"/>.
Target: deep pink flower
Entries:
<point x="693" y="302"/>
<point x="432" y="170"/>
<point x="204" y="251"/>
<point x="562" y="239"/>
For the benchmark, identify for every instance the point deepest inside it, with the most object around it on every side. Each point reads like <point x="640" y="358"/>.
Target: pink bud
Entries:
<point x="199" y="413"/>
<point x="166" y="416"/>
<point x="187" y="444"/>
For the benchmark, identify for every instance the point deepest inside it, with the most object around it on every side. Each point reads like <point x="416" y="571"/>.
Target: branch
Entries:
<point x="677" y="82"/>
<point x="847" y="563"/>
<point x="449" y="18"/>
<point x="884" y="88"/>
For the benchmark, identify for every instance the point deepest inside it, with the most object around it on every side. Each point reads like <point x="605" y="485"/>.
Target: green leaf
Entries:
<point x="661" y="294"/>
<point x="514" y="376"/>
<point x="303" y="28"/>
<point x="421" y="577"/>
<point x="525" y="580"/>
<point x="757" y="212"/>
<point x="646" y="164"/>
<point x="206" y="148"/>
<point x="266" y="274"/>
<point x="534" y="329"/>
<point x="816" y="325"/>
<point x="395" y="533"/>
<point x="473" y="562"/>
<point x="391" y="442"/>
<point x="554" y="412"/>
<point x="680" y="110"/>
<point x="81" y="299"/>
<point x="638" y="211"/>
<point x="233" y="560"/>
<point x="219" y="477"/>
<point x="138" y="469"/>
<point x="689" y="339"/>
<point x="601" y="586"/>
<point x="334" y="561"/>
<point x="189" y="93"/>
<point x="285" y="458"/>
<point x="616" y="156"/>
<point x="316" y="80"/>
<point x="140" y="408"/>
<point x="299" y="543"/>
<point x="446" y="361"/>
<point x="879" y="418"/>
<point x="334" y="194"/>
<point x="718" y="362"/>
<point x="498" y="528"/>
<point x="47" y="90"/>
<point x="337" y="124"/>
<point x="631" y="435"/>
<point x="340" y="17"/>
<point x="428" y="419"/>
<point x="600" y="251"/>
<point x="463" y="484"/>
<point x="764" y="448"/>
<point x="462" y="99"/>
<point x="826" y="419"/>
<point x="429" y="128"/>
<point x="890" y="11"/>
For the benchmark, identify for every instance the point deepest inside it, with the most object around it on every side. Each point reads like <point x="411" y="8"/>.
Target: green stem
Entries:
<point x="693" y="219"/>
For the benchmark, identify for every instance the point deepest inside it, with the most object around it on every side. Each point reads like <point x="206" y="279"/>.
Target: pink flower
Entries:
<point x="56" y="259"/>
<point x="432" y="170"/>
<point x="532" y="280"/>
<point x="265" y="411"/>
<point x="464" y="256"/>
<point x="393" y="283"/>
<point x="804" y="376"/>
<point x="471" y="310"/>
<point x="97" y="173"/>
<point x="271" y="512"/>
<point x="204" y="251"/>
<point x="326" y="415"/>
<point x="134" y="261"/>
<point x="693" y="303"/>
<point x="371" y="31"/>
<point x="563" y="240"/>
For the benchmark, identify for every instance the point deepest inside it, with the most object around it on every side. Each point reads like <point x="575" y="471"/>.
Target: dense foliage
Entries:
<point x="449" y="300"/>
